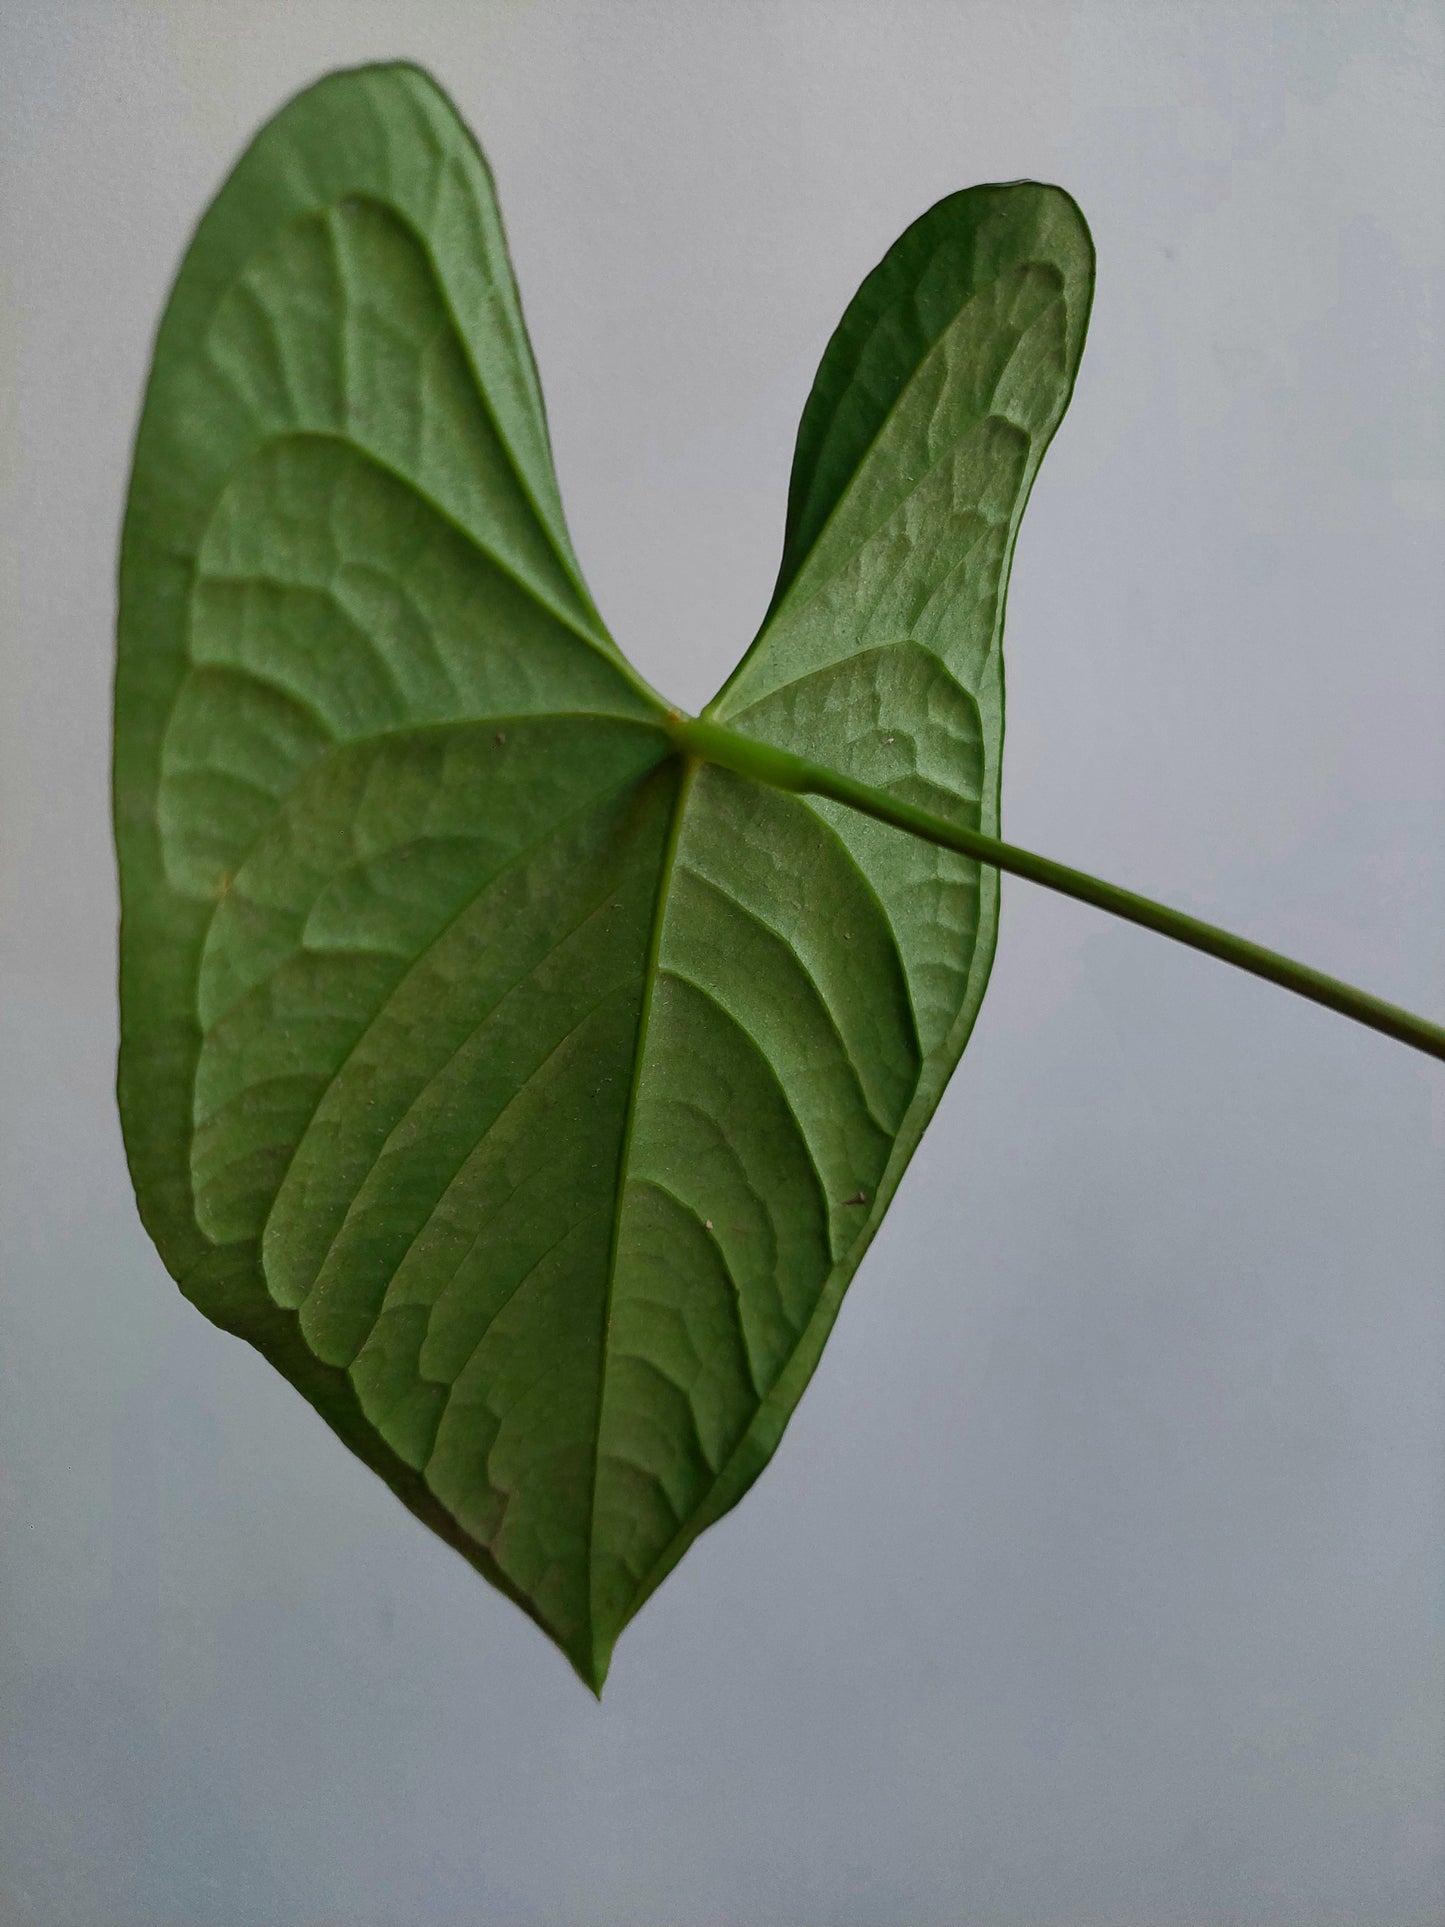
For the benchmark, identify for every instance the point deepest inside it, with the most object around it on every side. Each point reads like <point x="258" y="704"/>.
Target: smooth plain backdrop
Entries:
<point x="1098" y="1582"/>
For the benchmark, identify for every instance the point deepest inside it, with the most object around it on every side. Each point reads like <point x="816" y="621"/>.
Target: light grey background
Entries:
<point x="1099" y="1578"/>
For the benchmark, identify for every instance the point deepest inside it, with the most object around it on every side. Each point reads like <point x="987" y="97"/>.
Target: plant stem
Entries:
<point x="714" y="744"/>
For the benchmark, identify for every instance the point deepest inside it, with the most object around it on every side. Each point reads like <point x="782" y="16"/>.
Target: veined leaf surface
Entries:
<point x="526" y="1091"/>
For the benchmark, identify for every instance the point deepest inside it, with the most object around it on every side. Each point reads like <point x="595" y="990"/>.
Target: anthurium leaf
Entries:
<point x="526" y="1090"/>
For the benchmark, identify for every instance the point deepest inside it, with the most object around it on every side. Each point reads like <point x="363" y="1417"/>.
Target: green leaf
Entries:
<point x="525" y="1089"/>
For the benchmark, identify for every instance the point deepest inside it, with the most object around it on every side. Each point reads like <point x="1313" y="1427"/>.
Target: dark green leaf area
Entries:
<point x="526" y="1091"/>
<point x="420" y="1006"/>
<point x="974" y="320"/>
<point x="402" y="887"/>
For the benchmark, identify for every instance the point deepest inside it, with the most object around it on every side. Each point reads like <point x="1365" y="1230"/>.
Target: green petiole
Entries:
<point x="714" y="744"/>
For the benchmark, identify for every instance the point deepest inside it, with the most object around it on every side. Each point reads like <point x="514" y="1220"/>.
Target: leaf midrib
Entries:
<point x="651" y="972"/>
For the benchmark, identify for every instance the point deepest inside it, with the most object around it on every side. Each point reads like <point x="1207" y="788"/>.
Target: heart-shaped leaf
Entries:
<point x="524" y="1088"/>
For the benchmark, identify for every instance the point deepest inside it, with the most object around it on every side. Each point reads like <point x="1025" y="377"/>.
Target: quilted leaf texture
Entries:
<point x="527" y="1091"/>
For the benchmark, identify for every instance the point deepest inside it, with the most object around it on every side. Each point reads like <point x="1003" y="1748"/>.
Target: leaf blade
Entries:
<point x="526" y="1096"/>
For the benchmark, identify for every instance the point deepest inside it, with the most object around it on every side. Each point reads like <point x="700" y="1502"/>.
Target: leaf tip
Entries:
<point x="591" y="1665"/>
